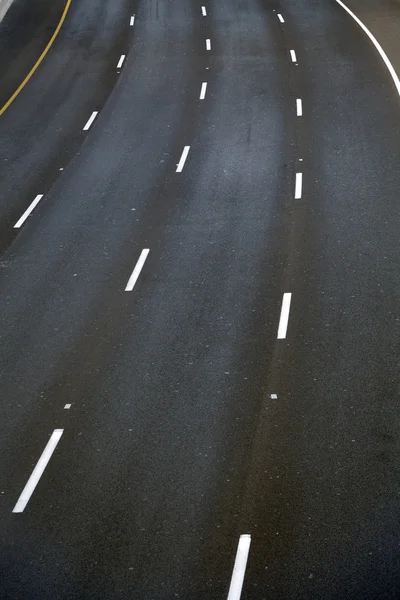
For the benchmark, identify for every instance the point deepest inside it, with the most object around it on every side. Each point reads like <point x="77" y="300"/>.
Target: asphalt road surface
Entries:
<point x="199" y="315"/>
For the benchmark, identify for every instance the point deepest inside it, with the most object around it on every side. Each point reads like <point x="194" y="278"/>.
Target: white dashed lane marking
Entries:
<point x="90" y="121"/>
<point x="121" y="61"/>
<point x="282" y="20"/>
<point x="182" y="161"/>
<point x="299" y="107"/>
<point x="137" y="270"/>
<point x="293" y="56"/>
<point x="298" y="189"/>
<point x="38" y="471"/>
<point x="208" y="44"/>
<point x="203" y="90"/>
<point x="28" y="211"/>
<point x="239" y="569"/>
<point x="284" y="318"/>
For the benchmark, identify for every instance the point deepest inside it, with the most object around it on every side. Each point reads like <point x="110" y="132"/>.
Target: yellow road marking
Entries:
<point x="41" y="57"/>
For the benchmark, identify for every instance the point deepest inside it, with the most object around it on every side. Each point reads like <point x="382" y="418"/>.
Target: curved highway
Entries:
<point x="199" y="305"/>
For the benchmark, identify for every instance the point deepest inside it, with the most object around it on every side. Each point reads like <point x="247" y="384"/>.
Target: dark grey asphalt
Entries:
<point x="173" y="446"/>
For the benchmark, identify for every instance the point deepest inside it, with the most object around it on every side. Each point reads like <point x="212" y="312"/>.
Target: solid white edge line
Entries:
<point x="203" y="90"/>
<point x="293" y="56"/>
<point x="282" y="20"/>
<point x="377" y="46"/>
<point x="183" y="158"/>
<point x="28" y="211"/>
<point x="239" y="569"/>
<point x="204" y="11"/>
<point x="299" y="106"/>
<point x="132" y="21"/>
<point x="121" y="61"/>
<point x="90" y="121"/>
<point x="38" y="471"/>
<point x="136" y="271"/>
<point x="299" y="186"/>
<point x="208" y="44"/>
<point x="284" y="318"/>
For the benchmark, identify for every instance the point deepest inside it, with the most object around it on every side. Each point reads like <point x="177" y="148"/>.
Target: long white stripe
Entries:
<point x="136" y="271"/>
<point x="282" y="20"/>
<point x="299" y="106"/>
<point x="182" y="161"/>
<point x="28" y="211"/>
<point x="239" y="569"/>
<point x="92" y="118"/>
<point x="377" y="46"/>
<point x="203" y="11"/>
<point x="293" y="56"/>
<point x="38" y="471"/>
<point x="203" y="90"/>
<point x="132" y="21"/>
<point x="284" y="319"/>
<point x="208" y="44"/>
<point x="121" y="61"/>
<point x="299" y="186"/>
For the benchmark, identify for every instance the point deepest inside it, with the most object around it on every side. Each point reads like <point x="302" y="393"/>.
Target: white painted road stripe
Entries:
<point x="203" y="90"/>
<point x="136" y="271"/>
<point x="239" y="569"/>
<point x="92" y="118"/>
<point x="203" y="11"/>
<point x="182" y="161"/>
<point x="299" y="186"/>
<point x="121" y="61"/>
<point x="293" y="56"/>
<point x="28" y="211"/>
<point x="284" y="319"/>
<point x="208" y="44"/>
<point x="282" y="20"/>
<point x="38" y="471"/>
<point x="132" y="20"/>
<point x="299" y="106"/>
<point x="377" y="46"/>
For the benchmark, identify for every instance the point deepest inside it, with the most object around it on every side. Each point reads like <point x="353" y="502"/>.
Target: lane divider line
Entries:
<point x="28" y="211"/>
<point x="203" y="90"/>
<point x="282" y="20"/>
<point x="298" y="186"/>
<point x="39" y="60"/>
<point x="208" y="44"/>
<point x="183" y="158"/>
<point x="299" y="107"/>
<point x="121" y="61"/>
<point x="137" y="270"/>
<point x="203" y="11"/>
<point x="377" y="46"/>
<point x="90" y="121"/>
<point x="132" y="21"/>
<point x="38" y="471"/>
<point x="293" y="56"/>
<point x="284" y="318"/>
<point x="239" y="569"/>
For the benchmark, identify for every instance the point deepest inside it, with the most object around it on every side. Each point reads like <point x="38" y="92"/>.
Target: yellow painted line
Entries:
<point x="40" y="59"/>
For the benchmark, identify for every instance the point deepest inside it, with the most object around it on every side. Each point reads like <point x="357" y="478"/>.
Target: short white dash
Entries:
<point x="208" y="44"/>
<point x="239" y="569"/>
<point x="61" y="168"/>
<point x="203" y="11"/>
<point x="293" y="56"/>
<point x="137" y="270"/>
<point x="203" y="90"/>
<point x="121" y="61"/>
<point x="92" y="118"/>
<point x="182" y="161"/>
<point x="274" y="397"/>
<point x="300" y="159"/>
<point x="67" y="406"/>
<point x="299" y="106"/>
<point x="282" y="20"/>
<point x="38" y="471"/>
<point x="28" y="211"/>
<point x="299" y="186"/>
<point x="132" y="22"/>
<point x="284" y="318"/>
